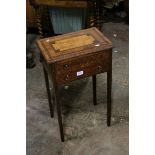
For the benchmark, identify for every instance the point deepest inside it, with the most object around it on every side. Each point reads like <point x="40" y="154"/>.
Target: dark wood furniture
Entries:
<point x="30" y="15"/>
<point x="63" y="3"/>
<point x="74" y="56"/>
<point x="94" y="15"/>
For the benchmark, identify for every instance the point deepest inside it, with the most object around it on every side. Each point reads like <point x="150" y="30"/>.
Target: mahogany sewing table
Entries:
<point x="74" y="56"/>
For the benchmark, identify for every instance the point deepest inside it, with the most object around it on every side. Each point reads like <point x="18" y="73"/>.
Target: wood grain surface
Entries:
<point x="91" y="64"/>
<point x="75" y="44"/>
<point x="62" y="3"/>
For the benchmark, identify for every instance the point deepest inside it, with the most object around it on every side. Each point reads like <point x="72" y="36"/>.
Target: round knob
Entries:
<point x="99" y="68"/>
<point x="67" y="77"/>
<point x="66" y="66"/>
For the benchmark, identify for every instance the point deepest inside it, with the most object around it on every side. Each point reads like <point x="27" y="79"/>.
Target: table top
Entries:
<point x="74" y="44"/>
<point x="62" y="3"/>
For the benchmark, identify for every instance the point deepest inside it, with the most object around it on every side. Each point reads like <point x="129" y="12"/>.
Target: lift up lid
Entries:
<point x="69" y="45"/>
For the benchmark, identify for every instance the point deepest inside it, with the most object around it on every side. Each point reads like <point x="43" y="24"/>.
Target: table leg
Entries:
<point x="109" y="83"/>
<point x="59" y="114"/>
<point x="49" y="93"/>
<point x="94" y="89"/>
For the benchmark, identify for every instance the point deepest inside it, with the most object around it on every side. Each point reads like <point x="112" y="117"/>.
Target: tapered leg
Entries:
<point x="49" y="93"/>
<point x="59" y="114"/>
<point x="94" y="89"/>
<point x="109" y="83"/>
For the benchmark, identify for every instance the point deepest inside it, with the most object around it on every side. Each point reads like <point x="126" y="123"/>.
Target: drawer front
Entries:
<point x="73" y="69"/>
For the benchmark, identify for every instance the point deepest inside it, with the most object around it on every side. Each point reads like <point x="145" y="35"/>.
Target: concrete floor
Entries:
<point x="85" y="127"/>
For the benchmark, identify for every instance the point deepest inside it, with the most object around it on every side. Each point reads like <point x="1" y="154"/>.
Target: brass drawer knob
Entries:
<point x="67" y="77"/>
<point x="66" y="66"/>
<point x="100" y="68"/>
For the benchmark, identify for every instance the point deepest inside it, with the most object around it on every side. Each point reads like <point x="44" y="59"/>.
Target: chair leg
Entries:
<point x="94" y="89"/>
<point x="109" y="84"/>
<point x="49" y="93"/>
<point x="59" y="113"/>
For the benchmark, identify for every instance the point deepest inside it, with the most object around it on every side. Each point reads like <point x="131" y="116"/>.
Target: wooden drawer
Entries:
<point x="73" y="69"/>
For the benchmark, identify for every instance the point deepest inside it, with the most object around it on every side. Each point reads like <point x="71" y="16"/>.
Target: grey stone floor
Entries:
<point x="85" y="127"/>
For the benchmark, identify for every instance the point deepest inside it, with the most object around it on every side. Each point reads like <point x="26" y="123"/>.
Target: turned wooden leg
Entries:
<point x="39" y="22"/>
<point x="109" y="84"/>
<point x="48" y="93"/>
<point x="59" y="113"/>
<point x="94" y="89"/>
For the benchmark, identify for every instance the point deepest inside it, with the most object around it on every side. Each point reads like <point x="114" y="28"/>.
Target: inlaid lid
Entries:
<point x="73" y="44"/>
